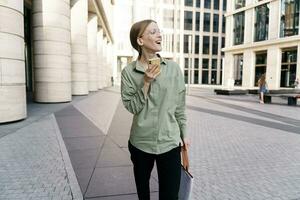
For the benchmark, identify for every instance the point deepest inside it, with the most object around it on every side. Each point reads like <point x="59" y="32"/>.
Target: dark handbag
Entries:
<point x="186" y="181"/>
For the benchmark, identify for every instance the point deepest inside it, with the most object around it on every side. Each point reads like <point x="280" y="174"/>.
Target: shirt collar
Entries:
<point x="140" y="68"/>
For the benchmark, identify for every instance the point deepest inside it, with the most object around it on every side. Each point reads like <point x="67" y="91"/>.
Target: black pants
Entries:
<point x="168" y="170"/>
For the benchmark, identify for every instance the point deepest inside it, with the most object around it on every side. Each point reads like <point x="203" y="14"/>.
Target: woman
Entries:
<point x="262" y="85"/>
<point x="155" y="95"/>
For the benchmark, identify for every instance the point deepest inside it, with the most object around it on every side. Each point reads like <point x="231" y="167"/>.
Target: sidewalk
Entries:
<point x="240" y="150"/>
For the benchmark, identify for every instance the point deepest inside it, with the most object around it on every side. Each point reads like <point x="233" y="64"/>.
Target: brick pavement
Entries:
<point x="240" y="150"/>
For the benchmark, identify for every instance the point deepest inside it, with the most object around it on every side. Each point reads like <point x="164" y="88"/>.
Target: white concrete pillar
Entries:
<point x="274" y="25"/>
<point x="92" y="52"/>
<point x="248" y="69"/>
<point x="104" y="57"/>
<point x="12" y="64"/>
<point x="99" y="57"/>
<point x="248" y="33"/>
<point x="79" y="20"/>
<point x="52" y="50"/>
<point x="228" y="71"/>
<point x="273" y="67"/>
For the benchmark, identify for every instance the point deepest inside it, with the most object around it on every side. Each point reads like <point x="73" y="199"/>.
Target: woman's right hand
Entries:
<point x="151" y="73"/>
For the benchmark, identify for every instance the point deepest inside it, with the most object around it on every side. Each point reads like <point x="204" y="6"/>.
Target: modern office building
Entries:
<point x="52" y="49"/>
<point x="262" y="36"/>
<point x="197" y="24"/>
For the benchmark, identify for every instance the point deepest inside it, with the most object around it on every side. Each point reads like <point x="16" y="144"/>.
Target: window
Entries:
<point x="288" y="67"/>
<point x="197" y="44"/>
<point x="289" y="23"/>
<point x="198" y="3"/>
<point x="224" y="5"/>
<point x="196" y="63"/>
<point x="207" y="4"/>
<point x="215" y="46"/>
<point x="197" y="24"/>
<point x="223" y="42"/>
<point x="196" y="77"/>
<point x="260" y="66"/>
<point x="238" y="70"/>
<point x="213" y="79"/>
<point x="216" y="4"/>
<point x="186" y="63"/>
<point x="186" y="78"/>
<point x="216" y="23"/>
<point x="205" y="63"/>
<point x="188" y="20"/>
<point x="186" y="44"/>
<point x="205" y="45"/>
<point x="204" y="76"/>
<point x="214" y="63"/>
<point x="206" y="27"/>
<point x="223" y="45"/>
<point x="239" y="3"/>
<point x="168" y="18"/>
<point x="261" y="22"/>
<point x="188" y="2"/>
<point x="223" y="24"/>
<point x="239" y="23"/>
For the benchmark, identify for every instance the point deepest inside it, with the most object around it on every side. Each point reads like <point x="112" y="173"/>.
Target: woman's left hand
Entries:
<point x="186" y="143"/>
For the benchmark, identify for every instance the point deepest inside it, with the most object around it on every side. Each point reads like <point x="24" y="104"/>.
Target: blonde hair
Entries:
<point x="136" y="31"/>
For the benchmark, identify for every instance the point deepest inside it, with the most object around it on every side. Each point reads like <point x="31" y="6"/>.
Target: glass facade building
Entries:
<point x="204" y="23"/>
<point x="262" y="38"/>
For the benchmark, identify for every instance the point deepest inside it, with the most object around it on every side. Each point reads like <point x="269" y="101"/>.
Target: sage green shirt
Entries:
<point x="159" y="119"/>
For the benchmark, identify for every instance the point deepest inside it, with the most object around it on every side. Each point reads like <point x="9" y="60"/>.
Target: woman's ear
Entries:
<point x="140" y="41"/>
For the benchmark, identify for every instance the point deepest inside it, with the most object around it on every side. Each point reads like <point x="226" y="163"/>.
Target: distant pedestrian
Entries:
<point x="155" y="94"/>
<point x="263" y="87"/>
<point x="297" y="83"/>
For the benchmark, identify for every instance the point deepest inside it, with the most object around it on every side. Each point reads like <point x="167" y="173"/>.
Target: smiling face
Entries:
<point x="150" y="40"/>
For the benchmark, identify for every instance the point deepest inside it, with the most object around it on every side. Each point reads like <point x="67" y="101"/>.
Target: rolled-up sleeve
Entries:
<point x="133" y="97"/>
<point x="180" y="113"/>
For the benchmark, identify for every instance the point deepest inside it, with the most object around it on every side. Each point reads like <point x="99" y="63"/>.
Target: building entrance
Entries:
<point x="28" y="48"/>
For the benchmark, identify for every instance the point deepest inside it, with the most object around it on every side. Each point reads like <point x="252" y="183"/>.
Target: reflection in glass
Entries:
<point x="238" y="69"/>
<point x="216" y="23"/>
<point x="188" y="2"/>
<point x="207" y="4"/>
<point x="197" y="44"/>
<point x="260" y="66"/>
<point x="239" y="23"/>
<point x="197" y="24"/>
<point x="205" y="45"/>
<point x="239" y="3"/>
<point x="215" y="46"/>
<point x="206" y="22"/>
<point x="289" y="23"/>
<point x="288" y="67"/>
<point x="261" y="22"/>
<point x="188" y="20"/>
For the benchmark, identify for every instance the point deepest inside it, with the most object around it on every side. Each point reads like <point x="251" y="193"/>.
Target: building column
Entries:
<point x="248" y="69"/>
<point x="12" y="64"/>
<point x="228" y="71"/>
<point x="52" y="50"/>
<point x="274" y="26"/>
<point x="99" y="57"/>
<point x="92" y="52"/>
<point x="79" y="20"/>
<point x="273" y="67"/>
<point x="104" y="58"/>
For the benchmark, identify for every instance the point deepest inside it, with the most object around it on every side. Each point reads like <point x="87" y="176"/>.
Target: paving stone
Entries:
<point x="114" y="181"/>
